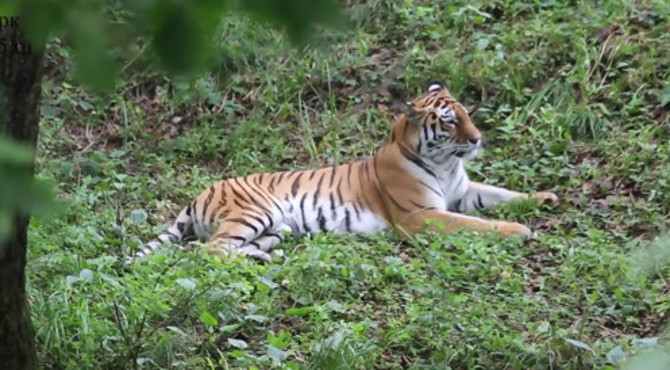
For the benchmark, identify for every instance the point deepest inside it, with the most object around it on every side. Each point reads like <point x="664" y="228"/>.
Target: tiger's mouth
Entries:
<point x="468" y="153"/>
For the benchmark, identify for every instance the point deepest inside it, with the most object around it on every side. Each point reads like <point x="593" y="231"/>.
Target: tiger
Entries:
<point x="416" y="177"/>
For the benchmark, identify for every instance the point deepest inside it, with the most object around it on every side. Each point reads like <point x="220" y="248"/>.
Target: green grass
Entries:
<point x="574" y="99"/>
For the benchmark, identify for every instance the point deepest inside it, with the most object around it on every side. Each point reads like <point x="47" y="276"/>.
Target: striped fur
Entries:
<point x="418" y="175"/>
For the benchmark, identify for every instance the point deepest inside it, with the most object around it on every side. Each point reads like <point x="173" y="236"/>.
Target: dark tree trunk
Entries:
<point x="20" y="84"/>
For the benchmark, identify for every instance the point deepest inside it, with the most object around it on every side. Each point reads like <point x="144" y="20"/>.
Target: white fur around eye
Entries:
<point x="447" y="116"/>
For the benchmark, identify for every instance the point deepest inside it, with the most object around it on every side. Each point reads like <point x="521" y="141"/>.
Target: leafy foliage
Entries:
<point x="572" y="99"/>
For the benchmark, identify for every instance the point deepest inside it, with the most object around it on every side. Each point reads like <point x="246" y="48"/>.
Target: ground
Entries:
<point x="573" y="98"/>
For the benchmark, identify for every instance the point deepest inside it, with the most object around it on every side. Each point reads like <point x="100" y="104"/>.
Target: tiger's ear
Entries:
<point x="413" y="117"/>
<point x="435" y="86"/>
<point x="405" y="108"/>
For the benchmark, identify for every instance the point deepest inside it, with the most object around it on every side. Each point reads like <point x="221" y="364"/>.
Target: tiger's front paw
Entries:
<point x="546" y="197"/>
<point x="511" y="229"/>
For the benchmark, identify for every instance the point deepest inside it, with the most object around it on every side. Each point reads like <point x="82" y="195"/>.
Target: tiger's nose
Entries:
<point x="474" y="141"/>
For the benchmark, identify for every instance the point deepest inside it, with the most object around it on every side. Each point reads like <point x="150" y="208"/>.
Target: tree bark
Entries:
<point x="20" y="82"/>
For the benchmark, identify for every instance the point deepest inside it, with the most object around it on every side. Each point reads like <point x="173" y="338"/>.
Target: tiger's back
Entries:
<point x="335" y="199"/>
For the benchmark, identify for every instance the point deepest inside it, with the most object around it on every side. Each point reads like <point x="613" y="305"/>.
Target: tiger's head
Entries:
<point x="442" y="126"/>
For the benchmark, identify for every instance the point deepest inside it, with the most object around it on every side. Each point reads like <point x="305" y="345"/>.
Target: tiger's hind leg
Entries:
<point x="269" y="240"/>
<point x="261" y="247"/>
<point x="264" y="244"/>
<point x="236" y="235"/>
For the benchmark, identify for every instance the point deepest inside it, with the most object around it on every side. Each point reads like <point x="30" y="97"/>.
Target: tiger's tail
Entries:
<point x="181" y="228"/>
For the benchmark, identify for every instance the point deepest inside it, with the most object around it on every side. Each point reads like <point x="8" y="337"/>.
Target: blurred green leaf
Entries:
<point x="20" y="191"/>
<point x="276" y="354"/>
<point x="579" y="344"/>
<point x="208" y="319"/>
<point x="647" y="259"/>
<point x="238" y="343"/>
<point x="181" y="32"/>
<point x="138" y="216"/>
<point x="298" y="17"/>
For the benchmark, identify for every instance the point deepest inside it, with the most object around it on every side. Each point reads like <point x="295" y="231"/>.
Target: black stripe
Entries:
<point x="274" y="202"/>
<point x="223" y="199"/>
<point x="225" y="235"/>
<point x="238" y="194"/>
<point x="459" y="183"/>
<point x="271" y="186"/>
<point x="458" y="205"/>
<point x="261" y="195"/>
<point x="255" y="244"/>
<point x="479" y="200"/>
<point x="208" y="200"/>
<point x="302" y="214"/>
<point x="415" y="159"/>
<point x="281" y="238"/>
<point x="244" y="188"/>
<point x="171" y="235"/>
<point x="365" y="169"/>
<point x="332" y="176"/>
<point x="377" y="185"/>
<point x="366" y="203"/>
<point x="332" y="205"/>
<point x="433" y="127"/>
<point x="383" y="188"/>
<point x="237" y="203"/>
<point x="421" y="206"/>
<point x="338" y="190"/>
<point x="181" y="227"/>
<point x="356" y="204"/>
<point x="276" y="179"/>
<point x="318" y="191"/>
<point x="215" y="212"/>
<point x="267" y="198"/>
<point x="321" y="219"/>
<point x="278" y="207"/>
<point x="254" y="212"/>
<point x="312" y="174"/>
<point x="258" y="218"/>
<point x="244" y="222"/>
<point x="347" y="220"/>
<point x="430" y="188"/>
<point x="349" y="174"/>
<point x="296" y="184"/>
